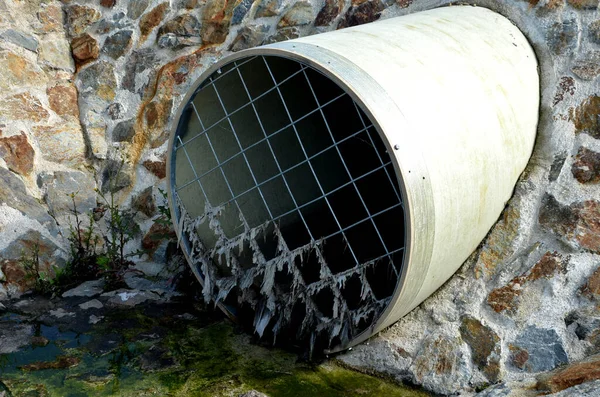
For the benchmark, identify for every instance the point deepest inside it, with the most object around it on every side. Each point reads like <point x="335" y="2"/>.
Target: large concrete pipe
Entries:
<point x="329" y="184"/>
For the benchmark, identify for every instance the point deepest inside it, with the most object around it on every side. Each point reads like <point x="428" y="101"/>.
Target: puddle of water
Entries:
<point x="11" y="317"/>
<point x="139" y="353"/>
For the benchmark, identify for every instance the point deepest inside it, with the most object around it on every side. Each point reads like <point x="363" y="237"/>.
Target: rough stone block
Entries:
<point x="21" y="39"/>
<point x="60" y="185"/>
<point x="537" y="350"/>
<point x="62" y="143"/>
<point x="18" y="153"/>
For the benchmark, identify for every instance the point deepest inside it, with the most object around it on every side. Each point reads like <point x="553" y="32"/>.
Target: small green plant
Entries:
<point x="83" y="241"/>
<point x="81" y="265"/>
<point x="42" y="283"/>
<point x="97" y="248"/>
<point x="121" y="229"/>
<point x="183" y="278"/>
<point x="163" y="220"/>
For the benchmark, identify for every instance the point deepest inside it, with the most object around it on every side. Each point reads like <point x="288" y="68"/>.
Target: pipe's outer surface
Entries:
<point x="454" y="93"/>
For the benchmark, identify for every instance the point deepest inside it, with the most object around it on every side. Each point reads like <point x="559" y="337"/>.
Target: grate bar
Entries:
<point x="309" y="163"/>
<point x="370" y="262"/>
<point x="193" y="170"/>
<point x="228" y="115"/>
<point x="222" y="172"/>
<point x="338" y="189"/>
<point x="367" y="261"/>
<point x="288" y="170"/>
<point x="307" y="158"/>
<point x="216" y="157"/>
<point x="377" y="151"/>
<point x="223" y="74"/>
<point x="244" y="155"/>
<point x="320" y="197"/>
<point x="337" y="148"/>
<point x="361" y="221"/>
<point x="274" y="157"/>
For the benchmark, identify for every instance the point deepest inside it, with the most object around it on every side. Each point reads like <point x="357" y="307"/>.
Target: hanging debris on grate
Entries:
<point x="273" y="304"/>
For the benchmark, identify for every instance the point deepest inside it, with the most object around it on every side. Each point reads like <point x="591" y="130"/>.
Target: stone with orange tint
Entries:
<point x="18" y="153"/>
<point x="85" y="49"/>
<point x="63" y="99"/>
<point x="151" y="20"/>
<point x="23" y="107"/>
<point x="583" y="371"/>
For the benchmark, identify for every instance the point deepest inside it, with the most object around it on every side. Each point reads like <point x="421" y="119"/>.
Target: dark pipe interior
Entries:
<point x="270" y="139"/>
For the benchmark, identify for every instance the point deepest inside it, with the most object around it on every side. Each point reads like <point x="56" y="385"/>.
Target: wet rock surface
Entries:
<point x="87" y="289"/>
<point x="14" y="336"/>
<point x="168" y="345"/>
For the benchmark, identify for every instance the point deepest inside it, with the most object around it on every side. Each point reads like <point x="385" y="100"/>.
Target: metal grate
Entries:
<point x="271" y="147"/>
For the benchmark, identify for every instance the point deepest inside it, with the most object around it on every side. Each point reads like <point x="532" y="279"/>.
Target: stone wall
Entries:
<point x="87" y="94"/>
<point x="42" y="145"/>
<point x="527" y="300"/>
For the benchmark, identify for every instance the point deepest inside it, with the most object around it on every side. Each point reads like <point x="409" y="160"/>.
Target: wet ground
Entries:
<point x="131" y="343"/>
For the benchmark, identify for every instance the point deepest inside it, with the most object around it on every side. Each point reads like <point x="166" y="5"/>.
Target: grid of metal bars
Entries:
<point x="216" y="122"/>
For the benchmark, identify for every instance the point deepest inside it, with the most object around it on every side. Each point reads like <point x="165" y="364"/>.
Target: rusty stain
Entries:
<point x="504" y="298"/>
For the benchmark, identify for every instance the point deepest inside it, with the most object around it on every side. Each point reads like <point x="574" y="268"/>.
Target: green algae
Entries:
<point x="234" y="363"/>
<point x="140" y="353"/>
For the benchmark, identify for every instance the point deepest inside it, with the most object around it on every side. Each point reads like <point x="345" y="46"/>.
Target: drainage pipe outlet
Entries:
<point x="323" y="187"/>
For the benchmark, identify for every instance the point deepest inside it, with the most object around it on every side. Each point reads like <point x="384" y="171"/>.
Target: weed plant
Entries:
<point x="97" y="246"/>
<point x="42" y="283"/>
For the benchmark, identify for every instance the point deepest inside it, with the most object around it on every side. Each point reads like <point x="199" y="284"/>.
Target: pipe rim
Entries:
<point x="410" y="254"/>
